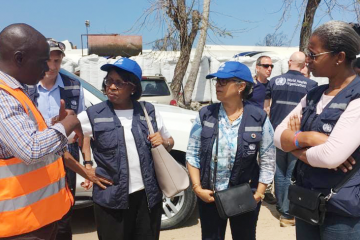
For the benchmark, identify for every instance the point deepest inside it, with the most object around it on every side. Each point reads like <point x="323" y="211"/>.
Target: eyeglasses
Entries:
<point x="118" y="84"/>
<point x="223" y="81"/>
<point x="313" y="56"/>
<point x="53" y="43"/>
<point x="266" y="65"/>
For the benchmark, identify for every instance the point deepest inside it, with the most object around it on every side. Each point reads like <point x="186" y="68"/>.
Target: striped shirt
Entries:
<point x="228" y="135"/>
<point x="18" y="134"/>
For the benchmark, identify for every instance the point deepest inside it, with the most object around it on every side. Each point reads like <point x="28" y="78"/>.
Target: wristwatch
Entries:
<point x="88" y="162"/>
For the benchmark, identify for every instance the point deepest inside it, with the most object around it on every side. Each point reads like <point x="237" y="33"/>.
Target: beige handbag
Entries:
<point x="171" y="176"/>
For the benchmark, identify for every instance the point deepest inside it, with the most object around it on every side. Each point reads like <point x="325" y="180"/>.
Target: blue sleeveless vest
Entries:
<point x="246" y="168"/>
<point x="346" y="201"/>
<point x="70" y="93"/>
<point x="109" y="150"/>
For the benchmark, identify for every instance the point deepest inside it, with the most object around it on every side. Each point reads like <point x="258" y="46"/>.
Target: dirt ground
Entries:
<point x="268" y="227"/>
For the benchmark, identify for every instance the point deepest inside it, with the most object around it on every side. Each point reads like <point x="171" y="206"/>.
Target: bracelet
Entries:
<point x="296" y="142"/>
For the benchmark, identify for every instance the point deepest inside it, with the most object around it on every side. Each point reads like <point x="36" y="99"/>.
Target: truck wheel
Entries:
<point x="178" y="209"/>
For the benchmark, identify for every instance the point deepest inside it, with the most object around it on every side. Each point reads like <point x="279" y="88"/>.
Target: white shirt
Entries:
<point x="125" y="116"/>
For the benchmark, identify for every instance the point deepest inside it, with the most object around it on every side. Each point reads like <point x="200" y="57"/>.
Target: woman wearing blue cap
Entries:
<point x="242" y="131"/>
<point x="131" y="207"/>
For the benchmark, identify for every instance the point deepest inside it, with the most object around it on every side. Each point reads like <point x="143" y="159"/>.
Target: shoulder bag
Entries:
<point x="310" y="205"/>
<point x="235" y="200"/>
<point x="171" y="176"/>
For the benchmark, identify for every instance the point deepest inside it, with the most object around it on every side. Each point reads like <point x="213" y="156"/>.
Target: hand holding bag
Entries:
<point x="235" y="200"/>
<point x="171" y="176"/>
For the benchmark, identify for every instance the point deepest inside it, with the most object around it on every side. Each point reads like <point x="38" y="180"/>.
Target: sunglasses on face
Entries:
<point x="313" y="56"/>
<point x="266" y="65"/>
<point x="118" y="84"/>
<point x="53" y="43"/>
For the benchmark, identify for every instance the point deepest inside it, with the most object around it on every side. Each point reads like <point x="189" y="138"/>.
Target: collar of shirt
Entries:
<point x="294" y="72"/>
<point x="10" y="81"/>
<point x="58" y="83"/>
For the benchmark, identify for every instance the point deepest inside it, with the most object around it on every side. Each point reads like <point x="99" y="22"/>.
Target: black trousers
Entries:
<point x="135" y="223"/>
<point x="64" y="227"/>
<point x="243" y="227"/>
<point x="47" y="232"/>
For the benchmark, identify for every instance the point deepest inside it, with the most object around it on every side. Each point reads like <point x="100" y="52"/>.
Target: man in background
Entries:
<point x="263" y="69"/>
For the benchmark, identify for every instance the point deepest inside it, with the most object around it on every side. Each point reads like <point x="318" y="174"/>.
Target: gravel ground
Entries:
<point x="268" y="227"/>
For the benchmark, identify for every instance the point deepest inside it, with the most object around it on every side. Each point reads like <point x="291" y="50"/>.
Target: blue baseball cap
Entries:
<point x="125" y="64"/>
<point x="233" y="69"/>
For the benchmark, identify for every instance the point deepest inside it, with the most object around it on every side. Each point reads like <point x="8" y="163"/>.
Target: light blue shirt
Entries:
<point x="228" y="136"/>
<point x="49" y="100"/>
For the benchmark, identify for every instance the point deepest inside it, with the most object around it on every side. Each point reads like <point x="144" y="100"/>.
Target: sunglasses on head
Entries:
<point x="266" y="65"/>
<point x="53" y="43"/>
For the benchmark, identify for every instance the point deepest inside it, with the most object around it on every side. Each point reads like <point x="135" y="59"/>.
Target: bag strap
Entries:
<point x="151" y="129"/>
<point x="338" y="186"/>
<point x="346" y="178"/>
<point x="216" y="157"/>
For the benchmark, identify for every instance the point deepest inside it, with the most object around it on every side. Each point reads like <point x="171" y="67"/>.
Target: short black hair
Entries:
<point x="127" y="77"/>
<point x="258" y="61"/>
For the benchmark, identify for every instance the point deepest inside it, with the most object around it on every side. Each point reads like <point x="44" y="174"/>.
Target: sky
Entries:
<point x="248" y="20"/>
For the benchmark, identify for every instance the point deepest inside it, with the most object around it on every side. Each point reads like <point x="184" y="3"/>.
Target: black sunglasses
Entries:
<point x="53" y="43"/>
<point x="224" y="81"/>
<point x="266" y="65"/>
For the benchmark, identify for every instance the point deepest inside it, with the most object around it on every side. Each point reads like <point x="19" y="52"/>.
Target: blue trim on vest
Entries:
<point x="109" y="150"/>
<point x="246" y="168"/>
<point x="346" y="201"/>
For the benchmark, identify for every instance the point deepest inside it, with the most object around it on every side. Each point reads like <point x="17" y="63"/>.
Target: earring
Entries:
<point x="132" y="93"/>
<point x="239" y="92"/>
<point x="337" y="63"/>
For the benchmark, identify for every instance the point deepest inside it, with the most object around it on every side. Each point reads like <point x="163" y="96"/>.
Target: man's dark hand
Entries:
<point x="100" y="181"/>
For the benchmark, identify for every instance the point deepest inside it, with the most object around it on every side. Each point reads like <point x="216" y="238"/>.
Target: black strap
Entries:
<point x="347" y="177"/>
<point x="338" y="186"/>
<point x="216" y="156"/>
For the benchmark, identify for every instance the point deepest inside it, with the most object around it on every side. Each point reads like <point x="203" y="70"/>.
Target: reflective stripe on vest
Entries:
<point x="71" y="87"/>
<point x="31" y="196"/>
<point x="287" y="103"/>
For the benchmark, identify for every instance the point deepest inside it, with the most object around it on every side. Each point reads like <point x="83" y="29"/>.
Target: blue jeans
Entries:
<point x="285" y="163"/>
<point x="335" y="227"/>
<point x="243" y="227"/>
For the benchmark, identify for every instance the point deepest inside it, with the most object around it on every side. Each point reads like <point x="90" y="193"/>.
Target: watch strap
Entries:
<point x="88" y="162"/>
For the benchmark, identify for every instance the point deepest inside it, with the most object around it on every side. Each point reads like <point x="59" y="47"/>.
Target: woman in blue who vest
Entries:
<point x="329" y="134"/>
<point x="243" y="132"/>
<point x="131" y="207"/>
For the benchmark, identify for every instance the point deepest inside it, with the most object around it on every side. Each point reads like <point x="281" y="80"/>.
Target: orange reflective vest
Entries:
<point x="31" y="196"/>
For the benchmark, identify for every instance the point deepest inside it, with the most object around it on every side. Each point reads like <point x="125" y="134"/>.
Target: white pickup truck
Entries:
<point x="178" y="121"/>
